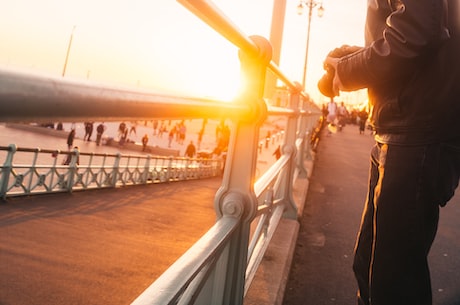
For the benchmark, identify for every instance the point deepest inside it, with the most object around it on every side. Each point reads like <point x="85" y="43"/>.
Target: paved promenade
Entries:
<point x="102" y="246"/>
<point x="321" y="273"/>
<point x="107" y="246"/>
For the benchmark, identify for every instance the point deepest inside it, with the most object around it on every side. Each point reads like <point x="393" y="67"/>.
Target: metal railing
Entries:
<point x="220" y="267"/>
<point x="71" y="171"/>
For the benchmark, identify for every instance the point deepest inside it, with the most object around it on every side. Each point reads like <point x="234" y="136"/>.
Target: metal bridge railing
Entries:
<point x="220" y="267"/>
<point x="28" y="171"/>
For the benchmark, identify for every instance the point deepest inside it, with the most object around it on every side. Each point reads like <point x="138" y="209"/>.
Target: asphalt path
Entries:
<point x="101" y="246"/>
<point x="98" y="247"/>
<point x="321" y="272"/>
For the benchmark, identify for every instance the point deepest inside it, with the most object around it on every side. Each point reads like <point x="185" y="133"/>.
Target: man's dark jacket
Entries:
<point x="411" y="67"/>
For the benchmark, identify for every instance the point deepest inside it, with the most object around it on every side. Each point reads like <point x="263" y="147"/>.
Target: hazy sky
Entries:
<point x="160" y="45"/>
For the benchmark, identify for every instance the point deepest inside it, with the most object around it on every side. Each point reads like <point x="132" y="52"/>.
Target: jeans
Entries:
<point x="407" y="185"/>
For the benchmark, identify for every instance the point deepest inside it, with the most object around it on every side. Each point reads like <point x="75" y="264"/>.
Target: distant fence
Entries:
<point x="46" y="171"/>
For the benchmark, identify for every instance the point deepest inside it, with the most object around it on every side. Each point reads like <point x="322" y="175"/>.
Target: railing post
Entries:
<point x="73" y="168"/>
<point x="236" y="197"/>
<point x="311" y="120"/>
<point x="169" y="174"/>
<point x="146" y="174"/>
<point x="305" y="143"/>
<point x="7" y="168"/>
<point x="186" y="169"/>
<point x="289" y="147"/>
<point x="53" y="171"/>
<point x="31" y="171"/>
<point x="116" y="170"/>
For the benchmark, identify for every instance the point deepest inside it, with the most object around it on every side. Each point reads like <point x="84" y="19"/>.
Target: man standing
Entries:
<point x="411" y="69"/>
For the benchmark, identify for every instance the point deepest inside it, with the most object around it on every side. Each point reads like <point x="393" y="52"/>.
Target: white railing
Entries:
<point x="85" y="171"/>
<point x="220" y="267"/>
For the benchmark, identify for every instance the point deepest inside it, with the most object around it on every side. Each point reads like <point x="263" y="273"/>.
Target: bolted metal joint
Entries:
<point x="264" y="54"/>
<point x="253" y="69"/>
<point x="232" y="205"/>
<point x="12" y="148"/>
<point x="289" y="149"/>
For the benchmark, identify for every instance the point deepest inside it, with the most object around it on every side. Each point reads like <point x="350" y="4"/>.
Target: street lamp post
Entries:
<point x="68" y="52"/>
<point x="310" y="4"/>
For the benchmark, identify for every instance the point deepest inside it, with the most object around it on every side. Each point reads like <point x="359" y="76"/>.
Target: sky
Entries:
<point x="158" y="45"/>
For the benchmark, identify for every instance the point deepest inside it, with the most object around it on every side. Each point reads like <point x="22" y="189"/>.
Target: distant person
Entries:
<point x="331" y="117"/>
<point x="171" y="136"/>
<point x="99" y="131"/>
<point x="162" y="130"/>
<point x="69" y="157"/>
<point x="145" y="140"/>
<point x="200" y="137"/>
<point x="182" y="132"/>
<point x="121" y="130"/>
<point x="88" y="131"/>
<point x="132" y="129"/>
<point x="331" y="111"/>
<point x="342" y="115"/>
<point x="277" y="152"/>
<point x="362" y="117"/>
<point x="70" y="139"/>
<point x="191" y="150"/>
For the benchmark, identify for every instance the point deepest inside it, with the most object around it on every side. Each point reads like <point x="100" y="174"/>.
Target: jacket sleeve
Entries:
<point x="407" y="31"/>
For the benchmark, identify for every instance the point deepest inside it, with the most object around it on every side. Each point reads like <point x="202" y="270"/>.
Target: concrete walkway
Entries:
<point x="322" y="266"/>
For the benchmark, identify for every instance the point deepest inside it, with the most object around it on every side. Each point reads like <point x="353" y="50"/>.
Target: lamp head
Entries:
<point x="321" y="10"/>
<point x="300" y="8"/>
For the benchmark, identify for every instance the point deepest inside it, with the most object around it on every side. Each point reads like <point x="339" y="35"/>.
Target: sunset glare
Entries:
<point x="159" y="45"/>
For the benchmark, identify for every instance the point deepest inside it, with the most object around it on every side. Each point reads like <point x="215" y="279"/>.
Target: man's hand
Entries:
<point x="336" y="82"/>
<point x="330" y="84"/>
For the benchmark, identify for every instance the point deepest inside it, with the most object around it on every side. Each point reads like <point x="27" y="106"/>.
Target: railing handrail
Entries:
<point x="97" y="102"/>
<point x="215" y="18"/>
<point x="95" y="154"/>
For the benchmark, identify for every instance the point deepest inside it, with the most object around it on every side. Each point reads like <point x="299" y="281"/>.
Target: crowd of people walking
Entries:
<point x="179" y="135"/>
<point x="338" y="116"/>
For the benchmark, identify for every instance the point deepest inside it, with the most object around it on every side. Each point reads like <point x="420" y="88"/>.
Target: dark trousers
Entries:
<point x="407" y="184"/>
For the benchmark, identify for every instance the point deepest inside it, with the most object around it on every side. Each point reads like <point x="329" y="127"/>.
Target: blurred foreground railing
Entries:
<point x="220" y="267"/>
<point x="49" y="171"/>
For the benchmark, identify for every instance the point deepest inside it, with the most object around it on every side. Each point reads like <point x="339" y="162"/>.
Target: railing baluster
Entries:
<point x="7" y="168"/>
